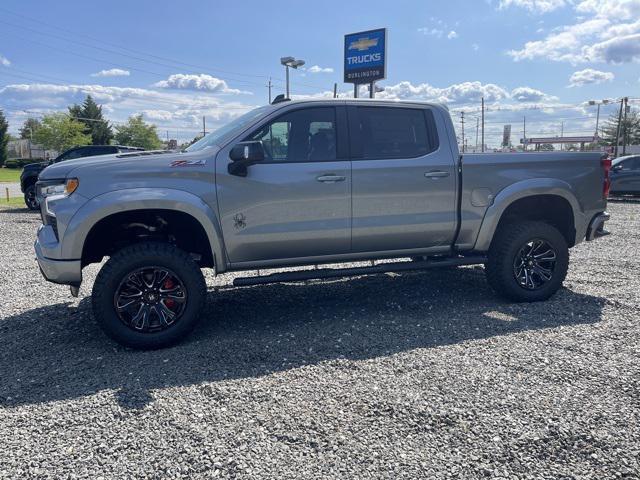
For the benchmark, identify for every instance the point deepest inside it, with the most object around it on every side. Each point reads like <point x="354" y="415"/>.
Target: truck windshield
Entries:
<point x="216" y="136"/>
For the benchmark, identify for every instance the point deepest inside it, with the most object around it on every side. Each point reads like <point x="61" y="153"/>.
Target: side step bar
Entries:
<point x="404" y="266"/>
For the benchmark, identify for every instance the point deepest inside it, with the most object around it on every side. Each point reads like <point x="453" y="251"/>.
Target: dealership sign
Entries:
<point x="365" y="56"/>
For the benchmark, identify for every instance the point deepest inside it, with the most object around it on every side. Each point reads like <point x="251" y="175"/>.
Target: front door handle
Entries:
<point x="436" y="174"/>
<point x="331" y="178"/>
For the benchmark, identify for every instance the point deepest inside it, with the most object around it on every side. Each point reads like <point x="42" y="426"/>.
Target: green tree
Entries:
<point x="90" y="114"/>
<point x="629" y="129"/>
<point x="547" y="147"/>
<point x="4" y="138"/>
<point x="29" y="127"/>
<point x="137" y="133"/>
<point x="60" y="132"/>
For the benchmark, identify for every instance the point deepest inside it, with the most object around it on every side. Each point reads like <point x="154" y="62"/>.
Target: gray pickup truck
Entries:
<point x="306" y="183"/>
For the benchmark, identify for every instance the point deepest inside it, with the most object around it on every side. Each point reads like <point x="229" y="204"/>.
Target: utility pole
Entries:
<point x="524" y="133"/>
<point x="204" y="127"/>
<point x="597" y="121"/>
<point x="482" y="146"/>
<point x="269" y="87"/>
<point x="462" y="122"/>
<point x="335" y="90"/>
<point x="624" y="127"/>
<point x="477" y="128"/>
<point x="562" y="134"/>
<point x="619" y="126"/>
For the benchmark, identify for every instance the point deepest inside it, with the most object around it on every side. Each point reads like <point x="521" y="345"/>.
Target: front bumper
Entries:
<point x="67" y="272"/>
<point x="596" y="227"/>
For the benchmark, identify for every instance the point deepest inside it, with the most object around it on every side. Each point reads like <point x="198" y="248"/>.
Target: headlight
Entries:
<point x="64" y="188"/>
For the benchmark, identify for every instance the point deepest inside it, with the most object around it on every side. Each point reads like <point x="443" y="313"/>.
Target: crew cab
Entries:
<point x="30" y="172"/>
<point x="303" y="183"/>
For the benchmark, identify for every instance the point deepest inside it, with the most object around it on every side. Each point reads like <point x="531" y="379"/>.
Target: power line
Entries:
<point x="202" y="69"/>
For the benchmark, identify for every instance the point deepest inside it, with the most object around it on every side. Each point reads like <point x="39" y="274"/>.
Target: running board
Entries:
<point x="299" y="275"/>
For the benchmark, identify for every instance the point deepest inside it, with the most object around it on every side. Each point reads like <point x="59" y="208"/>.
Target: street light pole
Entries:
<point x="293" y="63"/>
<point x="286" y="67"/>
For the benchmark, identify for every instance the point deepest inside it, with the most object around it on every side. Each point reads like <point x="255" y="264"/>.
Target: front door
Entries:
<point x="404" y="179"/>
<point x="297" y="203"/>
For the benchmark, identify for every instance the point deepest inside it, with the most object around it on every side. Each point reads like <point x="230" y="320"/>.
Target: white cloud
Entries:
<point x="318" y="69"/>
<point x="4" y="61"/>
<point x="610" y="34"/>
<point x="452" y="34"/>
<point x="461" y="93"/>
<point x="589" y="76"/>
<point x="534" y="6"/>
<point x="434" y="32"/>
<point x="621" y="9"/>
<point x="528" y="94"/>
<point x="167" y="108"/>
<point x="114" y="72"/>
<point x="200" y="82"/>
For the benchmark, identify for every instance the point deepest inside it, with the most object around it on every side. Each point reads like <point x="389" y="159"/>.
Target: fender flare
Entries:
<point x="117" y="201"/>
<point x="517" y="191"/>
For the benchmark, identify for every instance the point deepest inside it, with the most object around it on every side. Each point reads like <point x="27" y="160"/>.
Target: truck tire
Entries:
<point x="527" y="261"/>
<point x="148" y="295"/>
<point x="30" y="199"/>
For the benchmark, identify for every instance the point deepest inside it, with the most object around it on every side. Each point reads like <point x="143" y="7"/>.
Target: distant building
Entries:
<point x="24" y="148"/>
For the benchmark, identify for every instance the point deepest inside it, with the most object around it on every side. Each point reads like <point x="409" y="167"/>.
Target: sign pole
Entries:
<point x="372" y="90"/>
<point x="355" y="90"/>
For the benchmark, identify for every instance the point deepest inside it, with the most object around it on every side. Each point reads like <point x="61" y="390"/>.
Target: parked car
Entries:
<point x="307" y="183"/>
<point x="29" y="175"/>
<point x="625" y="175"/>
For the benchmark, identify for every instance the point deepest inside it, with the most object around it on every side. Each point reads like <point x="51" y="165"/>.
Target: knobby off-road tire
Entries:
<point x="168" y="286"/>
<point x="520" y="258"/>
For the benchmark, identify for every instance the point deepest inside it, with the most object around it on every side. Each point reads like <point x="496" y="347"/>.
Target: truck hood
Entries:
<point x="120" y="162"/>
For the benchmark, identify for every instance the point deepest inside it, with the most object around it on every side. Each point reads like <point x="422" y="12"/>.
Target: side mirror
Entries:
<point x="617" y="168"/>
<point x="243" y="155"/>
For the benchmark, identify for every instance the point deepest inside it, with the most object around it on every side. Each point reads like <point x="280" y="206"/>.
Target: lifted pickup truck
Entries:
<point x="307" y="183"/>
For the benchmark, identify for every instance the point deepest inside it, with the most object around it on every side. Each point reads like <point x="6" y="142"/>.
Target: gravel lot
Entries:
<point x="395" y="376"/>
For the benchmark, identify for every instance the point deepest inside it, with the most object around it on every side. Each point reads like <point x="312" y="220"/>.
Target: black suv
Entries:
<point x="30" y="173"/>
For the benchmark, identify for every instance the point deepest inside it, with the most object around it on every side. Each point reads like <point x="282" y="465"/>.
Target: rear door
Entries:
<point x="297" y="203"/>
<point x="403" y="179"/>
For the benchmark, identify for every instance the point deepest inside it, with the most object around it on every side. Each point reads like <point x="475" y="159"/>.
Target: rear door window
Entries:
<point x="390" y="132"/>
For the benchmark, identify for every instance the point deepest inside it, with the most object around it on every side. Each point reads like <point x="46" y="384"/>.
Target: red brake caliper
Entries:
<point x="168" y="285"/>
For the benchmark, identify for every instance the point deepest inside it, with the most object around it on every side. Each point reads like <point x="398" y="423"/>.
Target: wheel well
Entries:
<point x="551" y="209"/>
<point x="126" y="228"/>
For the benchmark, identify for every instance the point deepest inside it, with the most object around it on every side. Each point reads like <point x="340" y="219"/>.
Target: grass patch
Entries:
<point x="14" y="202"/>
<point x="10" y="175"/>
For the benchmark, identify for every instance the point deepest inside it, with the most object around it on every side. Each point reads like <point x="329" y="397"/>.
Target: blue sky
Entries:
<point x="177" y="61"/>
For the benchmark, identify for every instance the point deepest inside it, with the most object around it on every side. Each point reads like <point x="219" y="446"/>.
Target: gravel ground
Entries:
<point x="422" y="375"/>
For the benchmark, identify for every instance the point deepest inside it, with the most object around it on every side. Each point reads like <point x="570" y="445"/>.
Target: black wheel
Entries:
<point x="148" y="295"/>
<point x="527" y="261"/>
<point x="30" y="199"/>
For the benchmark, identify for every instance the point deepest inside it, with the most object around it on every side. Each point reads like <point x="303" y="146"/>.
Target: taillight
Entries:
<point x="606" y="166"/>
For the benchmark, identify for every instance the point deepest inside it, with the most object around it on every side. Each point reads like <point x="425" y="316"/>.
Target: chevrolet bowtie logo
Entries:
<point x="363" y="43"/>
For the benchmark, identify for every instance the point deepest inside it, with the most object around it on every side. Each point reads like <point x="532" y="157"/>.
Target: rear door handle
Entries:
<point x="331" y="178"/>
<point x="436" y="174"/>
